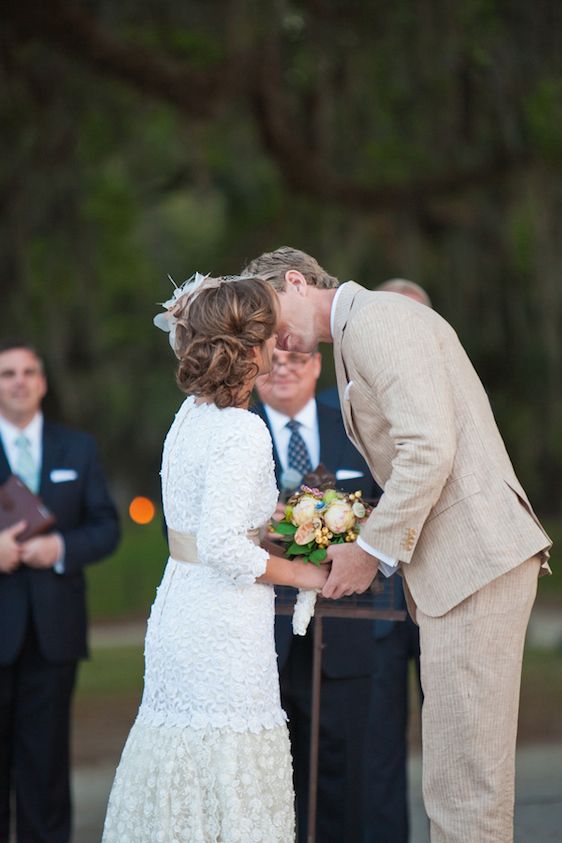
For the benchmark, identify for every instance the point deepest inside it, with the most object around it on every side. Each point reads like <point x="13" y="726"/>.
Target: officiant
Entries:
<point x="42" y="599"/>
<point x="305" y="433"/>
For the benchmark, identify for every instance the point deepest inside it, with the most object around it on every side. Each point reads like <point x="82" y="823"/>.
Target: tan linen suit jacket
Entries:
<point x="453" y="512"/>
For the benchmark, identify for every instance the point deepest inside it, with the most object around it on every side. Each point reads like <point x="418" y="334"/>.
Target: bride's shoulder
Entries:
<point x="247" y="422"/>
<point x="244" y="430"/>
<point x="238" y="436"/>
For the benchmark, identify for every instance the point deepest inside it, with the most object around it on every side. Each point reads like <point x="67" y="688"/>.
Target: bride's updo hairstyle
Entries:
<point x="216" y="330"/>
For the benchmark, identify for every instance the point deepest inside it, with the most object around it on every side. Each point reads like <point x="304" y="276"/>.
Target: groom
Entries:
<point x="453" y="519"/>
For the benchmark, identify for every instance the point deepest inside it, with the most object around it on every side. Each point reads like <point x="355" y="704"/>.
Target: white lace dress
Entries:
<point x="208" y="758"/>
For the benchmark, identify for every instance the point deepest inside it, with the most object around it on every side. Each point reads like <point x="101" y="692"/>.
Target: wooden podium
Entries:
<point x="377" y="604"/>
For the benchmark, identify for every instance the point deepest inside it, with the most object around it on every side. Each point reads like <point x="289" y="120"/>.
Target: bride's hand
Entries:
<point x="277" y="516"/>
<point x="272" y="547"/>
<point x="311" y="576"/>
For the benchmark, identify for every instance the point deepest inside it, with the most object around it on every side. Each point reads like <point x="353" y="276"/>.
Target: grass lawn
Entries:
<point x="106" y="702"/>
<point x="111" y="671"/>
<point x="124" y="584"/>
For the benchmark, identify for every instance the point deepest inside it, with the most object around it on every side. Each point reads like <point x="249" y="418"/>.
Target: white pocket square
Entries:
<point x="63" y="475"/>
<point x="346" y="391"/>
<point x="348" y="474"/>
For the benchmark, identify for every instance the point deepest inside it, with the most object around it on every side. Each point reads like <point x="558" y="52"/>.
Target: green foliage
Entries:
<point x="201" y="50"/>
<point x="112" y="671"/>
<point x="318" y="556"/>
<point x="544" y="116"/>
<point x="303" y="550"/>
<point x="285" y="529"/>
<point x="109" y="182"/>
<point x="124" y="585"/>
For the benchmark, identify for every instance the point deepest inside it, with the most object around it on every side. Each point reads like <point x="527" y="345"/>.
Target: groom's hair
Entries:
<point x="272" y="267"/>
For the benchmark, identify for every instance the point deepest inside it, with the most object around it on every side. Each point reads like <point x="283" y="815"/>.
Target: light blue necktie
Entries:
<point x="26" y="467"/>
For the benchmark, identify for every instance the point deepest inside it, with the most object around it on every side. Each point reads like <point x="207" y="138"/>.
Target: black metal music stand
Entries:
<point x="378" y="604"/>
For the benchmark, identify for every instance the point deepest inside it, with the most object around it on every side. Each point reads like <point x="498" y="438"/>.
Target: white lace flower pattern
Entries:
<point x="208" y="756"/>
<point x="178" y="786"/>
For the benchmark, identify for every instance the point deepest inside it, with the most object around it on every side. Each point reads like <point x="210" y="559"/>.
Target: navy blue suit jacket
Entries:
<point x="382" y="628"/>
<point x="87" y="520"/>
<point x="348" y="643"/>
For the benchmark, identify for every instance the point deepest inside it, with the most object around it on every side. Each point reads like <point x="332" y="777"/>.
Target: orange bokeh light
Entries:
<point x="142" y="510"/>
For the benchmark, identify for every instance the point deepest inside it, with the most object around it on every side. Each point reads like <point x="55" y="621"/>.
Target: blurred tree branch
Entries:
<point x="78" y="35"/>
<point x="307" y="171"/>
<point x="415" y="139"/>
<point x="254" y="79"/>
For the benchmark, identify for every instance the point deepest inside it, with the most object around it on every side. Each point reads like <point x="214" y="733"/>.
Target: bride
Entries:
<point x="207" y="759"/>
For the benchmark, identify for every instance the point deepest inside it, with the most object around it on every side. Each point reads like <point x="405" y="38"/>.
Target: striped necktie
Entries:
<point x="297" y="456"/>
<point x="26" y="467"/>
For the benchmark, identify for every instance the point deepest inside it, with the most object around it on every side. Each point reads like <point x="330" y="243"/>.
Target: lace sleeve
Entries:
<point x="239" y="468"/>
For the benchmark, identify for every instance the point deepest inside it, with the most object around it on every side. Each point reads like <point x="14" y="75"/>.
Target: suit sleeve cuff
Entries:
<point x="387" y="565"/>
<point x="59" y="564"/>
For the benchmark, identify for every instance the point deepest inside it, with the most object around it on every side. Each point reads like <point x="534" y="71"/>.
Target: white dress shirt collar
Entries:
<point x="333" y="309"/>
<point x="308" y="418"/>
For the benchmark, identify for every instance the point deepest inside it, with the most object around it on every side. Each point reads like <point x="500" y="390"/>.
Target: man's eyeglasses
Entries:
<point x="293" y="360"/>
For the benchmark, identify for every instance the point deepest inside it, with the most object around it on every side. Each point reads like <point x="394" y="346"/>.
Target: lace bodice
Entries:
<point x="218" y="482"/>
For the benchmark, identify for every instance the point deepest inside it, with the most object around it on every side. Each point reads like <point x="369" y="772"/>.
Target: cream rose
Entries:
<point x="304" y="511"/>
<point x="305" y="533"/>
<point x="339" y="517"/>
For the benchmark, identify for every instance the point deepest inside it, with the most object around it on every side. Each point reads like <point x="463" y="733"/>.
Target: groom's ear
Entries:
<point x="296" y="281"/>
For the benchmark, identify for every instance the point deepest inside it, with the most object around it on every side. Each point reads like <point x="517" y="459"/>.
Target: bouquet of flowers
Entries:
<point x="313" y="520"/>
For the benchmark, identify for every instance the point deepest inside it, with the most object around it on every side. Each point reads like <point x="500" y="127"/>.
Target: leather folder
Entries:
<point x="18" y="503"/>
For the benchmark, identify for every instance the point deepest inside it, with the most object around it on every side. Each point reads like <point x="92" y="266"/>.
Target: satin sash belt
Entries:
<point x="183" y="546"/>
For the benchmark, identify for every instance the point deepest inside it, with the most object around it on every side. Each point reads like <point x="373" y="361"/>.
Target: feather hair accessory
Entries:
<point x="167" y="321"/>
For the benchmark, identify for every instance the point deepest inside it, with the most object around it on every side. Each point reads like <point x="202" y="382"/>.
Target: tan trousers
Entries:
<point x="471" y="675"/>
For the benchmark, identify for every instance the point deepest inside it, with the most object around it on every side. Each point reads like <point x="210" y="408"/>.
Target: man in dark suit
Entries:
<point x="42" y="600"/>
<point x="306" y="433"/>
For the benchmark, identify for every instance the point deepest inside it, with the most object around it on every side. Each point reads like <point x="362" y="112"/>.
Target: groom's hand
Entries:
<point x="353" y="570"/>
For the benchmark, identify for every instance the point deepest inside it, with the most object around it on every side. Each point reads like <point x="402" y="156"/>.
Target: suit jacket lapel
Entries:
<point x="343" y="309"/>
<point x="52" y="453"/>
<point x="5" y="469"/>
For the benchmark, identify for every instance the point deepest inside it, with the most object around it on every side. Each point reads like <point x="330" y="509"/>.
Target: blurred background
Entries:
<point x="418" y="138"/>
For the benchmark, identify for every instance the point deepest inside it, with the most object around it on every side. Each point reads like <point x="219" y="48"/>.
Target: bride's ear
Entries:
<point x="257" y="356"/>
